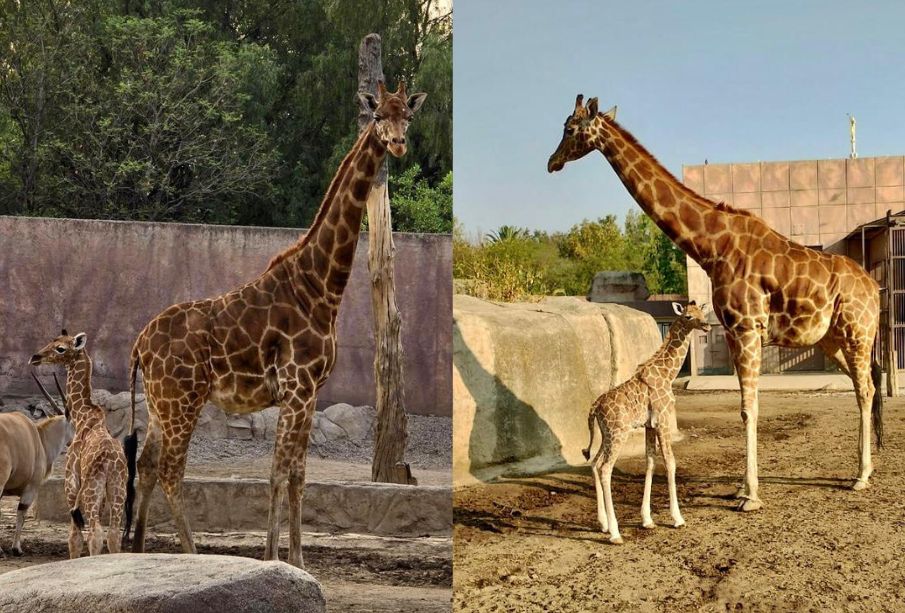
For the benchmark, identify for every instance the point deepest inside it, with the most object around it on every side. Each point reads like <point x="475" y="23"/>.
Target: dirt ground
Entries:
<point x="533" y="543"/>
<point x="358" y="573"/>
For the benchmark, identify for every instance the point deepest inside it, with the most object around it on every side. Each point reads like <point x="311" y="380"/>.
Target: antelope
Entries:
<point x="27" y="453"/>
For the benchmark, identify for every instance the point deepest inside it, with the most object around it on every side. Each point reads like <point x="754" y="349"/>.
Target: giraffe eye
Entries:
<point x="378" y="117"/>
<point x="60" y="349"/>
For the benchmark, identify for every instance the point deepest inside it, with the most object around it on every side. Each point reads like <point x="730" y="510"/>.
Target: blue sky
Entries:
<point x="726" y="81"/>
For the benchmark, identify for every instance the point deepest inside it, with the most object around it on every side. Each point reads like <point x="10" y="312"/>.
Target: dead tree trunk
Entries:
<point x="391" y="430"/>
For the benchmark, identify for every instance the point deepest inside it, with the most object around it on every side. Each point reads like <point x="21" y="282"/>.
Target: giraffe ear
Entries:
<point x="79" y="341"/>
<point x="611" y="114"/>
<point x="677" y="308"/>
<point x="415" y="101"/>
<point x="368" y="102"/>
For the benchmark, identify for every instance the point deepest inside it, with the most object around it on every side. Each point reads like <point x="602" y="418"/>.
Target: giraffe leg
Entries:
<point x="75" y="542"/>
<point x="173" y="451"/>
<point x="147" y="479"/>
<point x="116" y="496"/>
<point x="290" y="428"/>
<point x="606" y="473"/>
<point x="663" y="435"/>
<point x="92" y="505"/>
<point x="598" y="486"/>
<point x="746" y="352"/>
<point x="858" y="361"/>
<point x="650" y="447"/>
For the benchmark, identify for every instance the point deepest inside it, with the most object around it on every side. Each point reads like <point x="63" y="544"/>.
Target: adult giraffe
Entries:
<point x="269" y="342"/>
<point x="767" y="290"/>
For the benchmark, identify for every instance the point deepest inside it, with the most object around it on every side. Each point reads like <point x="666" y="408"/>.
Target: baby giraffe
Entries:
<point x="96" y="463"/>
<point x="644" y="400"/>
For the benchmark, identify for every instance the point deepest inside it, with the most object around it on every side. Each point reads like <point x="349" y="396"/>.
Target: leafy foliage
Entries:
<point x="513" y="264"/>
<point x="198" y="110"/>
<point x="418" y="207"/>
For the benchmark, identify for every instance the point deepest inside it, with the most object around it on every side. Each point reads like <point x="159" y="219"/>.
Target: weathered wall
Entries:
<point x="110" y="278"/>
<point x="525" y="375"/>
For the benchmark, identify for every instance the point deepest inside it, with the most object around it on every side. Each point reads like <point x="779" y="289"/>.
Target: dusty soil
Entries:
<point x="358" y="573"/>
<point x="533" y="544"/>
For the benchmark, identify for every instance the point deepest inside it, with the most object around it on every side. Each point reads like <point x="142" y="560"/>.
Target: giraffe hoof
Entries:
<point x="616" y="540"/>
<point x="741" y="492"/>
<point x="860" y="485"/>
<point x="749" y="505"/>
<point x="17" y="552"/>
<point x="649" y="525"/>
<point x="679" y="524"/>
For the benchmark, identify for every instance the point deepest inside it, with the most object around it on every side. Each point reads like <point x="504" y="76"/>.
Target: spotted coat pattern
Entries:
<point x="767" y="290"/>
<point x="269" y="342"/>
<point x="645" y="400"/>
<point x="95" y="462"/>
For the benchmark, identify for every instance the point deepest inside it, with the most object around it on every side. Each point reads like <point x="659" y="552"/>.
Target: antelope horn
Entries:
<point x="62" y="394"/>
<point x="47" y="395"/>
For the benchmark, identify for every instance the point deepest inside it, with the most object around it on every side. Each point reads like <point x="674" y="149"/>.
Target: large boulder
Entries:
<point x="160" y="583"/>
<point x="119" y="412"/>
<point x="526" y="374"/>
<point x="355" y="422"/>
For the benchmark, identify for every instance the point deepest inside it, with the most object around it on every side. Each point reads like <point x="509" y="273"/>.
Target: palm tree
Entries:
<point x="506" y="233"/>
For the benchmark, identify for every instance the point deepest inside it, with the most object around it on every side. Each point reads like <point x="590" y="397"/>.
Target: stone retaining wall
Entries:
<point x="380" y="509"/>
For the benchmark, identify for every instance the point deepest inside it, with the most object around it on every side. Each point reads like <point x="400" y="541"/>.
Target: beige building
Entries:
<point x="823" y="204"/>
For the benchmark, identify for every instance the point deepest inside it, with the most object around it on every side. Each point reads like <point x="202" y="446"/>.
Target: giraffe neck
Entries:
<point x="682" y="214"/>
<point x="321" y="261"/>
<point x="82" y="411"/>
<point x="672" y="352"/>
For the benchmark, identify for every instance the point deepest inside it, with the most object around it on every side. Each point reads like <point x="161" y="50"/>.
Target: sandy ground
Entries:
<point x="533" y="544"/>
<point x="358" y="573"/>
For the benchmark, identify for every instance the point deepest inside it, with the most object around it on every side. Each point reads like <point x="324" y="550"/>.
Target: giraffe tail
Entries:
<point x="586" y="452"/>
<point x="876" y="373"/>
<point x="76" y="513"/>
<point x="130" y="445"/>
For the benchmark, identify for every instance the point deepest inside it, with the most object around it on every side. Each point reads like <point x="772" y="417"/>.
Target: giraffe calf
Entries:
<point x="96" y="467"/>
<point x="646" y="399"/>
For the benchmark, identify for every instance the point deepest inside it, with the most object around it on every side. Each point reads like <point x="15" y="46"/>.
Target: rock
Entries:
<point x="158" y="583"/>
<point x="525" y="375"/>
<point x="616" y="286"/>
<point x="119" y="412"/>
<point x="356" y="422"/>
<point x="329" y="430"/>
<point x="212" y="423"/>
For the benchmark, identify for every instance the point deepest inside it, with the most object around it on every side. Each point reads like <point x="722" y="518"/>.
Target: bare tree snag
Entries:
<point x="391" y="431"/>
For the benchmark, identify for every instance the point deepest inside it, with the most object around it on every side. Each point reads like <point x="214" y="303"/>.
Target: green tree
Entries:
<point x="418" y="207"/>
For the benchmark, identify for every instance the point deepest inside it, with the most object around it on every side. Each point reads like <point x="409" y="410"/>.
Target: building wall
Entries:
<point x="110" y="278"/>
<point x="813" y="202"/>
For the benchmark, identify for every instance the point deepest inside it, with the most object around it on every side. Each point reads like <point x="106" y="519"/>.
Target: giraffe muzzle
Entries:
<point x="35" y="359"/>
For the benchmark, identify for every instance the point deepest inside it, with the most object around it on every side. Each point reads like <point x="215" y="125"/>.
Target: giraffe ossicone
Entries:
<point x="269" y="342"/>
<point x="767" y="289"/>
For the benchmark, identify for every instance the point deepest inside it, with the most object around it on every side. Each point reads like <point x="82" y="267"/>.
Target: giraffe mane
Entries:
<point x="323" y="208"/>
<point x="628" y="136"/>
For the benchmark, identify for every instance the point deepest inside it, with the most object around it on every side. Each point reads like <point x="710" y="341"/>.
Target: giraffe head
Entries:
<point x="64" y="349"/>
<point x="691" y="317"/>
<point x="578" y="132"/>
<point x="392" y="113"/>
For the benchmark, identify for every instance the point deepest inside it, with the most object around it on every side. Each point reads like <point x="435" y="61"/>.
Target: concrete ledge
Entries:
<point x="216" y="505"/>
<point x="160" y="583"/>
<point x="830" y="382"/>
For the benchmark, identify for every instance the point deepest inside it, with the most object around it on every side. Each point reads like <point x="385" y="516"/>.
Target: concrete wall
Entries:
<point x="383" y="509"/>
<point x="110" y="278"/>
<point x="816" y="203"/>
<point x="526" y="374"/>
